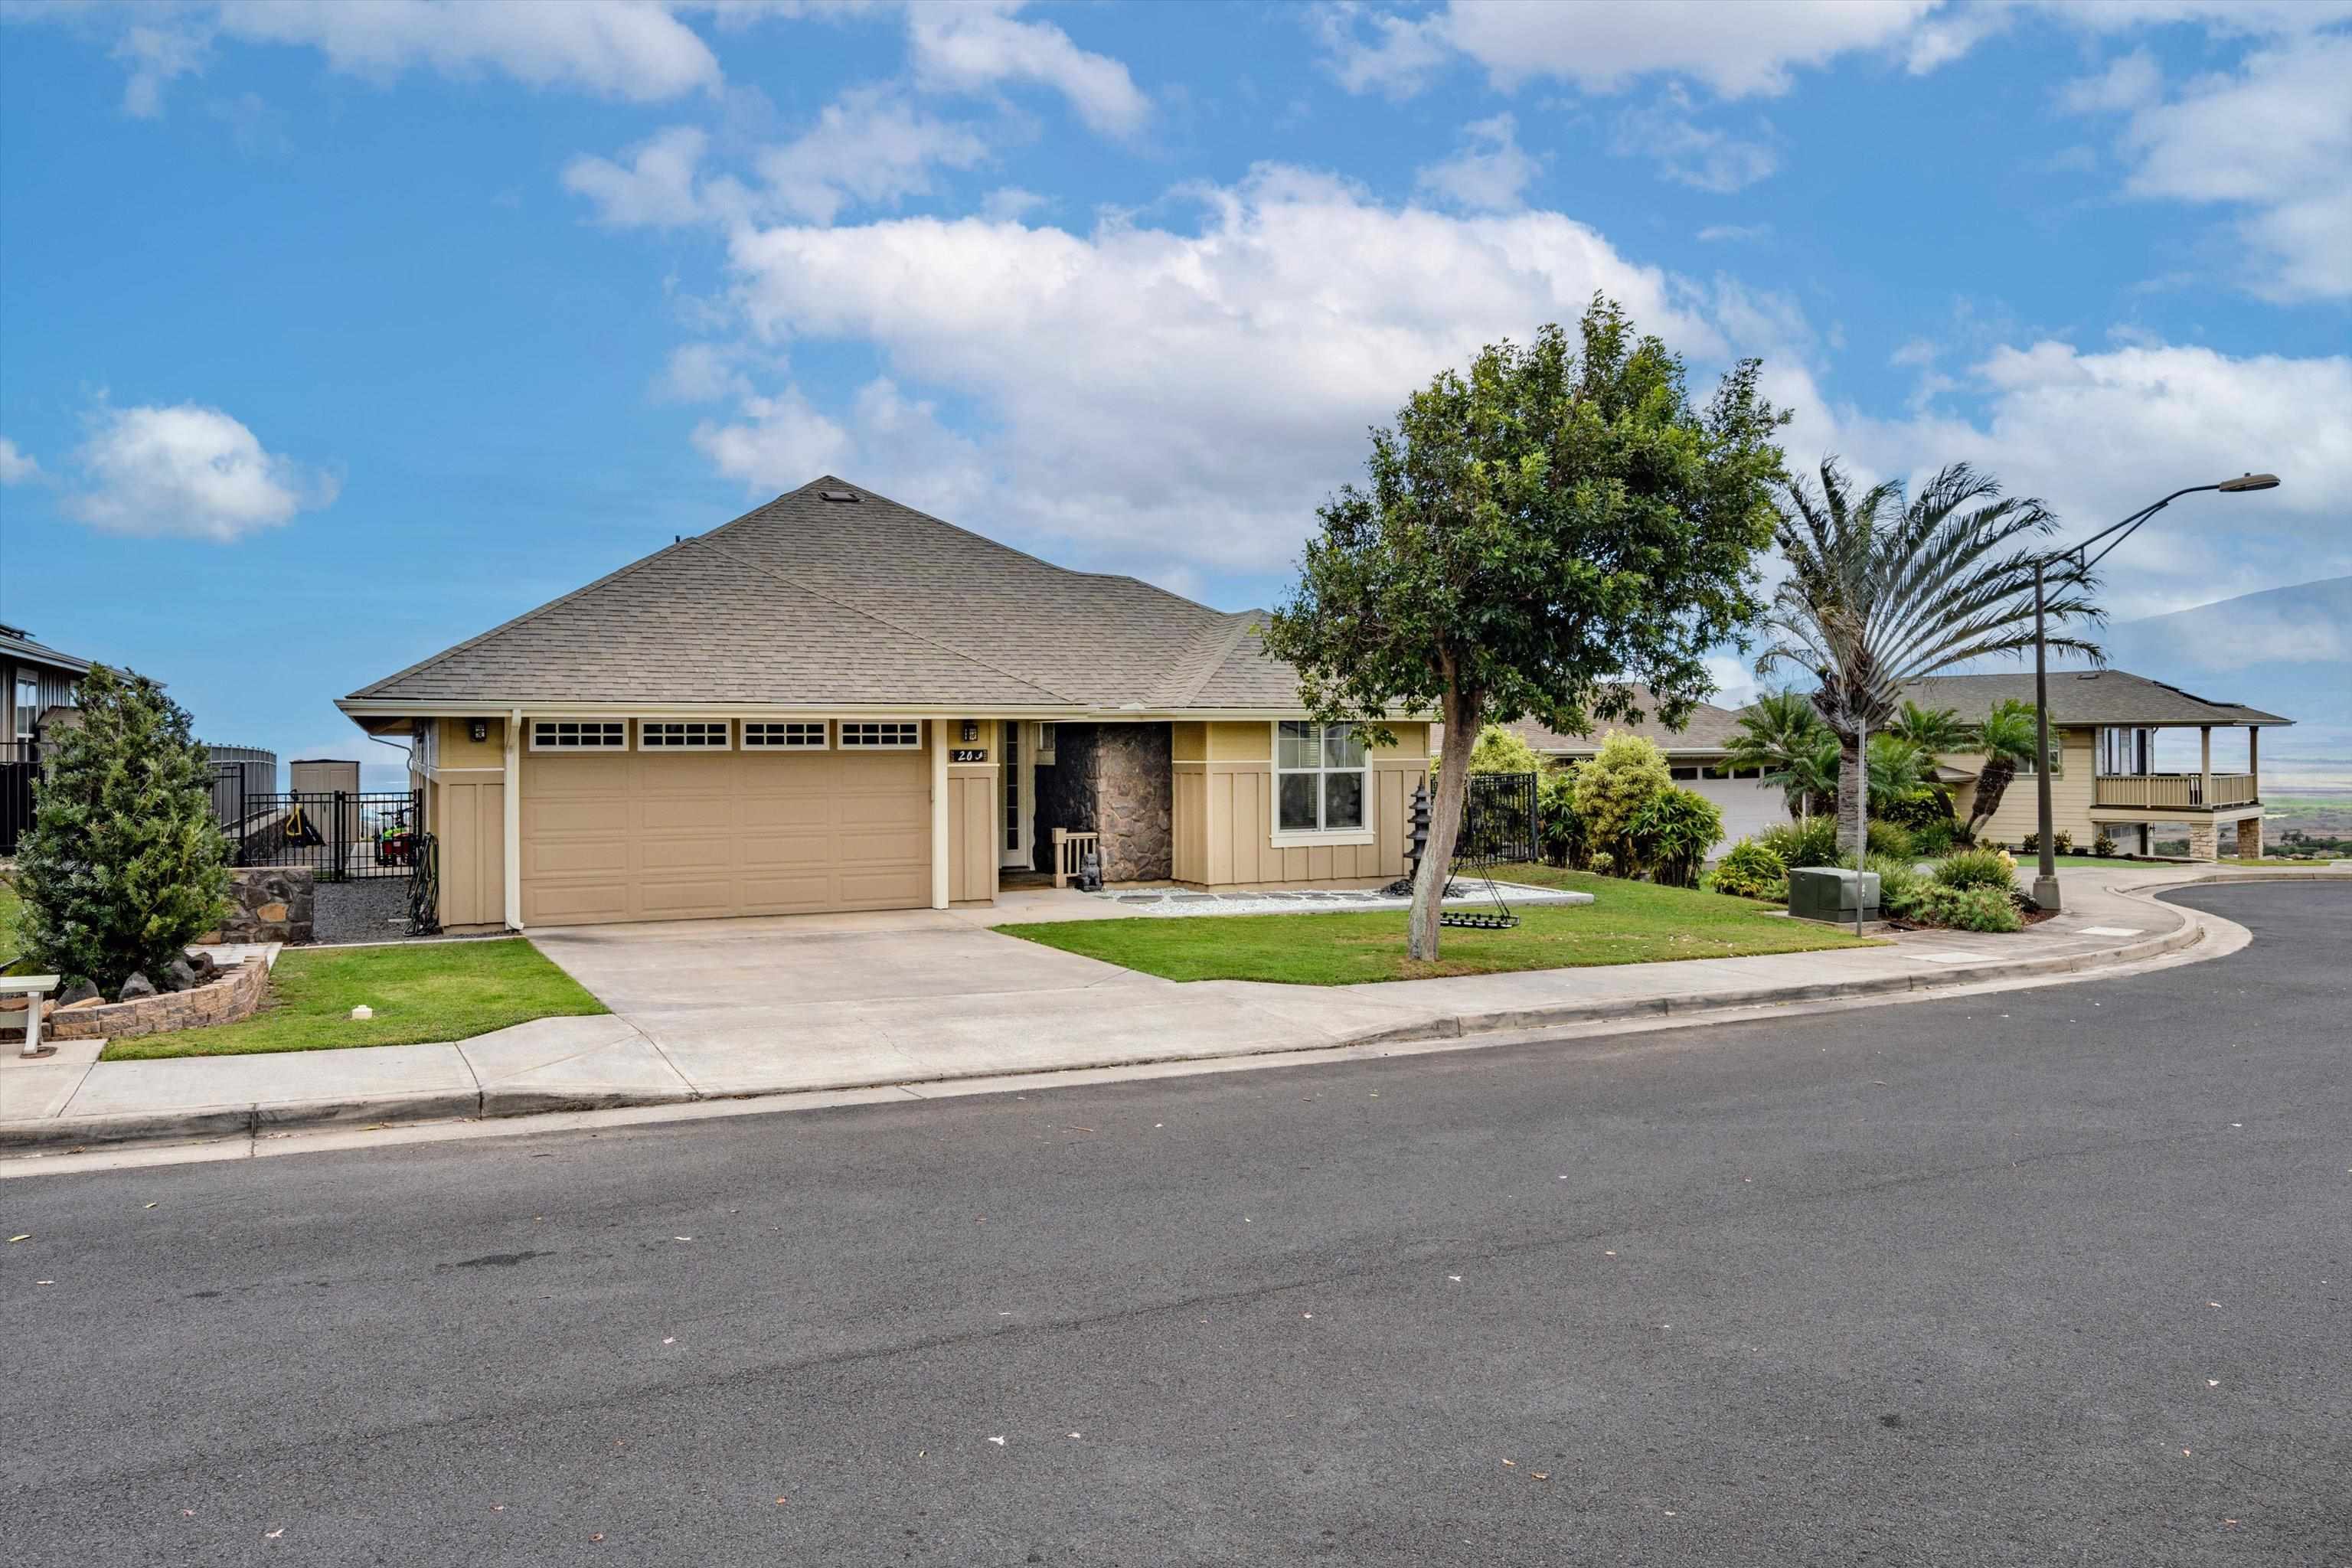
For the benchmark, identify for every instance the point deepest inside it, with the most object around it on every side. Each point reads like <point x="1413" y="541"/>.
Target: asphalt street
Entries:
<point x="2051" y="1276"/>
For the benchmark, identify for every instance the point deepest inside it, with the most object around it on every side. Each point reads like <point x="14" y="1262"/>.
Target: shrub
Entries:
<point x="1935" y="838"/>
<point x="1556" y="824"/>
<point x="1979" y="869"/>
<point x="2031" y="844"/>
<point x="2062" y="841"/>
<point x="1673" y="833"/>
<point x="1602" y="863"/>
<point x="1812" y="843"/>
<point x="124" y="865"/>
<point x="1977" y="907"/>
<point x="1900" y="884"/>
<point x="1891" y="840"/>
<point x="1613" y="787"/>
<point x="1752" y="870"/>
<point x="1500" y="750"/>
<point x="2105" y="843"/>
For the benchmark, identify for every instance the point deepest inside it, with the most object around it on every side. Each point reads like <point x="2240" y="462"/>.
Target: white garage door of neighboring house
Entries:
<point x="636" y="836"/>
<point x="1747" y="807"/>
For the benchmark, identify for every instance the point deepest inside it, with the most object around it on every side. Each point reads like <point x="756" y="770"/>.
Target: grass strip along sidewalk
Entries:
<point x="1629" y="923"/>
<point x="420" y="991"/>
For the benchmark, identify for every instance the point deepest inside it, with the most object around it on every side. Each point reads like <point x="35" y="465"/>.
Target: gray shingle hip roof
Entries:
<point x="2084" y="697"/>
<point x="809" y="601"/>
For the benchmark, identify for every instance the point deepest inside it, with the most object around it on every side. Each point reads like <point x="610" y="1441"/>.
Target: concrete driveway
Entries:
<point x="805" y="1001"/>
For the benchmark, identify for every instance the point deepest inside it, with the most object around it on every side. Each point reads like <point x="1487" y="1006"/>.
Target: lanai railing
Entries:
<point x="2186" y="791"/>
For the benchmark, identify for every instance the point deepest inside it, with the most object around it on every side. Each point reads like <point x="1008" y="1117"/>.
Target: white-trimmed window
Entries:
<point x="1322" y="779"/>
<point x="578" y="735"/>
<point x="682" y="735"/>
<point x="881" y="734"/>
<point x="783" y="735"/>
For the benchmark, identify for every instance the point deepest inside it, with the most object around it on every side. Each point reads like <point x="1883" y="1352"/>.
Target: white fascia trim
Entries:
<point x="1300" y="838"/>
<point x="359" y="711"/>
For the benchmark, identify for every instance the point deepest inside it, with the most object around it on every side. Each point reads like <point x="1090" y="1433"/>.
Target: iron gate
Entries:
<point x="1498" y="821"/>
<point x="343" y="834"/>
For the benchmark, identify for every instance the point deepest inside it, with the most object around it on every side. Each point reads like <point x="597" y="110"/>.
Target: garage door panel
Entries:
<point x="638" y="835"/>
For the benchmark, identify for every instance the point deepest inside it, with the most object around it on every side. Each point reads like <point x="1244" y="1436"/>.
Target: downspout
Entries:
<point x="938" y="813"/>
<point x="510" y="798"/>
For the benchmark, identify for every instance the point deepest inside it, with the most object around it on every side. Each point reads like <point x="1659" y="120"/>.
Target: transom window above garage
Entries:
<point x="682" y="734"/>
<point x="783" y="735"/>
<point x="578" y="735"/>
<point x="882" y="734"/>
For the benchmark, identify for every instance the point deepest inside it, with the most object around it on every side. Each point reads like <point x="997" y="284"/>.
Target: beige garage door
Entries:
<point x="640" y="835"/>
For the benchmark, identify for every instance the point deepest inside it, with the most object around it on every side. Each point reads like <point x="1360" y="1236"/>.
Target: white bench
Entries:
<point x="32" y="988"/>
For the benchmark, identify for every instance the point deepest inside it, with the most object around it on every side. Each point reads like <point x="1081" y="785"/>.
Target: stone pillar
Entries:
<point x="2249" y="838"/>
<point x="2204" y="841"/>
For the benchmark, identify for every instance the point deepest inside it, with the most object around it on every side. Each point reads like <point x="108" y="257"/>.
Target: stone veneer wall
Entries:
<point x="235" y="995"/>
<point x="1114" y="779"/>
<point x="269" y="903"/>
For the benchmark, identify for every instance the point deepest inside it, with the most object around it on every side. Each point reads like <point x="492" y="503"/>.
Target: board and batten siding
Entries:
<point x="2072" y="790"/>
<point x="972" y="833"/>
<point x="1223" y="806"/>
<point x="469" y="827"/>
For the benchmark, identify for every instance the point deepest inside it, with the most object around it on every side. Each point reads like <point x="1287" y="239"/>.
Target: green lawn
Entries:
<point x="1631" y="922"/>
<point x="9" y="904"/>
<point x="426" y="991"/>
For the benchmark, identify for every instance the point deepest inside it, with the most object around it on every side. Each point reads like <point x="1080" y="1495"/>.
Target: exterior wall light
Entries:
<point x="971" y="730"/>
<point x="478" y="728"/>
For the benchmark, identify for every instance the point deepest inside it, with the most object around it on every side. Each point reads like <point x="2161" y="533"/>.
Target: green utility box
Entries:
<point x="1829" y="893"/>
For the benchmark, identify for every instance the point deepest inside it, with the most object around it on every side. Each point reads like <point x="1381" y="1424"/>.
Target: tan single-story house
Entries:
<point x="1695" y="756"/>
<point x="836" y="702"/>
<point x="2102" y="725"/>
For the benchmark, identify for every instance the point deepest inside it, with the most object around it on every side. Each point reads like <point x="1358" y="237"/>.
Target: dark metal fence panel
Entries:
<point x="1498" y="820"/>
<point x="343" y="834"/>
<point x="20" y="772"/>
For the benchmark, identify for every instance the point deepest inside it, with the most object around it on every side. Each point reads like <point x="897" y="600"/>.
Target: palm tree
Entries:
<point x="1781" y="733"/>
<point x="1880" y="593"/>
<point x="2006" y="738"/>
<point x="1935" y="730"/>
<point x="1898" y="768"/>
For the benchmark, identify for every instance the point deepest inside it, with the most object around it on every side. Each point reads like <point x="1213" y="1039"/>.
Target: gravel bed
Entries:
<point x="373" y="908"/>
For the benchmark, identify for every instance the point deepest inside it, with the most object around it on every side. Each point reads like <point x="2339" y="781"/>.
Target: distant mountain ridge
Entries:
<point x="2288" y="650"/>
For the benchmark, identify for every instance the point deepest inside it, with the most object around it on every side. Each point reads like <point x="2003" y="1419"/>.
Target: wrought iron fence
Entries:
<point x="343" y="835"/>
<point x="1498" y="821"/>
<point x="20" y="772"/>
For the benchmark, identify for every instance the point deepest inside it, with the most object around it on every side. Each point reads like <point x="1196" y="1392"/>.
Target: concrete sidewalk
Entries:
<point x="1046" y="1011"/>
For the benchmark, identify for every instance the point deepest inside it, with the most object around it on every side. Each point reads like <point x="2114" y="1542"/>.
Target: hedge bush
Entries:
<point x="1892" y="839"/>
<point x="1979" y="869"/>
<point x="1672" y="834"/>
<point x="1621" y="778"/>
<point x="1812" y="843"/>
<point x="1975" y="907"/>
<point x="1749" y="870"/>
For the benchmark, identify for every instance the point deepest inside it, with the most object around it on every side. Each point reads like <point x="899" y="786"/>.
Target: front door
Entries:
<point x="1015" y="843"/>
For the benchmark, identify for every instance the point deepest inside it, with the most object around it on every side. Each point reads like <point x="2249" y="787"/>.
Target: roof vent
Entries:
<point x="836" y="495"/>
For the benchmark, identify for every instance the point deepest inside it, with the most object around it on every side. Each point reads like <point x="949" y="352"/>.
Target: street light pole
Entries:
<point x="2045" y="880"/>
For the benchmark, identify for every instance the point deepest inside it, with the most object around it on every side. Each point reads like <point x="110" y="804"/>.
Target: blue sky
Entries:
<point x="330" y="335"/>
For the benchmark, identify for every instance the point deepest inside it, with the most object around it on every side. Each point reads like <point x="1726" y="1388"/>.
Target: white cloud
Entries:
<point x="870" y="146"/>
<point x="156" y="55"/>
<point x="1008" y="202"/>
<point x="1688" y="152"/>
<point x="17" y="466"/>
<point x="1160" y="395"/>
<point x="703" y="373"/>
<point x="977" y="46"/>
<point x="2099" y="435"/>
<point x="779" y="443"/>
<point x="2129" y="81"/>
<point x="1720" y="233"/>
<point x="1490" y="172"/>
<point x="655" y="189"/>
<point x="187" y="472"/>
<point x="1603" y="46"/>
<point x="624" y="49"/>
<point x="2275" y="138"/>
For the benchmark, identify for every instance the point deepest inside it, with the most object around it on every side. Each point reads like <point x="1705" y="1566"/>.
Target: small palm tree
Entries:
<point x="1898" y="769"/>
<point x="2006" y="738"/>
<point x="1781" y="733"/>
<point x="1935" y="730"/>
<point x="1880" y="593"/>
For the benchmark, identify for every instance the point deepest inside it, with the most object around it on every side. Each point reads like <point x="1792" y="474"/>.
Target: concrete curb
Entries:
<point x="27" y="1137"/>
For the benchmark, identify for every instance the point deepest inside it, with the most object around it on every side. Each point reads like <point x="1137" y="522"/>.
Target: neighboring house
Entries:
<point x="836" y="702"/>
<point x="34" y="678"/>
<point x="2102" y="725"/>
<point x="1695" y="754"/>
